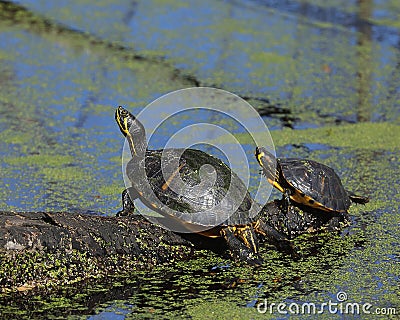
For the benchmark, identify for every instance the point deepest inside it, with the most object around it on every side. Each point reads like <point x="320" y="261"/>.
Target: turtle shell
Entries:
<point x="314" y="184"/>
<point x="192" y="187"/>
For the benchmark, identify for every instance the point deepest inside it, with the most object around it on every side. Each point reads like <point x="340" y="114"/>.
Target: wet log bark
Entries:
<point x="95" y="235"/>
<point x="40" y="248"/>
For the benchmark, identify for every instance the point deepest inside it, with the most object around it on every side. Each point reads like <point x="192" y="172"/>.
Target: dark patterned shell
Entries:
<point x="316" y="181"/>
<point x="222" y="194"/>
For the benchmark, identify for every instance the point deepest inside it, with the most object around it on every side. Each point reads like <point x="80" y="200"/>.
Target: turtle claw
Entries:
<point x="239" y="249"/>
<point x="128" y="206"/>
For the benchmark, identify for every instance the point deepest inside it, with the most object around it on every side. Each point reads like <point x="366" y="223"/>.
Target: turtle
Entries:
<point x="157" y="177"/>
<point x="307" y="183"/>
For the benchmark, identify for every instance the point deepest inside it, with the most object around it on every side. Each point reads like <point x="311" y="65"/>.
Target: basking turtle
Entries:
<point x="307" y="182"/>
<point x="195" y="191"/>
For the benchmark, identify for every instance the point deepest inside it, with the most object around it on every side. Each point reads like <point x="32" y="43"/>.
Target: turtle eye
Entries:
<point x="122" y="112"/>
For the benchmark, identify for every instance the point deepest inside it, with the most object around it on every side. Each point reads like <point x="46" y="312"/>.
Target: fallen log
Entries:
<point x="41" y="249"/>
<point x="45" y="249"/>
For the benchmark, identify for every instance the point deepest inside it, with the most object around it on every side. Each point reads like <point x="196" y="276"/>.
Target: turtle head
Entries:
<point x="268" y="162"/>
<point x="132" y="129"/>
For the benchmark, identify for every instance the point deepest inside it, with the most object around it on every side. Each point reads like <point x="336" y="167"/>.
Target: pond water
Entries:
<point x="326" y="76"/>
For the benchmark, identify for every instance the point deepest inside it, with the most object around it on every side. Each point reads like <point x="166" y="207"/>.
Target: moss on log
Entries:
<point x="41" y="249"/>
<point x="45" y="249"/>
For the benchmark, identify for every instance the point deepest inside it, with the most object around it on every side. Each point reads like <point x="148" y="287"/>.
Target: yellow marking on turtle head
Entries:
<point x="125" y="129"/>
<point x="259" y="156"/>
<point x="129" y="136"/>
<point x="268" y="174"/>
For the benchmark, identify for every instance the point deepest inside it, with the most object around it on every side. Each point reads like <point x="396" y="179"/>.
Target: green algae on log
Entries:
<point x="41" y="249"/>
<point x="52" y="249"/>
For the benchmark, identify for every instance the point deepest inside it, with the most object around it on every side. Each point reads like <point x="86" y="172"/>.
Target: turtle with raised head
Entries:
<point x="194" y="191"/>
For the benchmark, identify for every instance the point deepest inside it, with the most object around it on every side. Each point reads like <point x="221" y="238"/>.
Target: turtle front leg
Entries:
<point x="286" y="200"/>
<point x="276" y="238"/>
<point x="128" y="207"/>
<point x="239" y="249"/>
